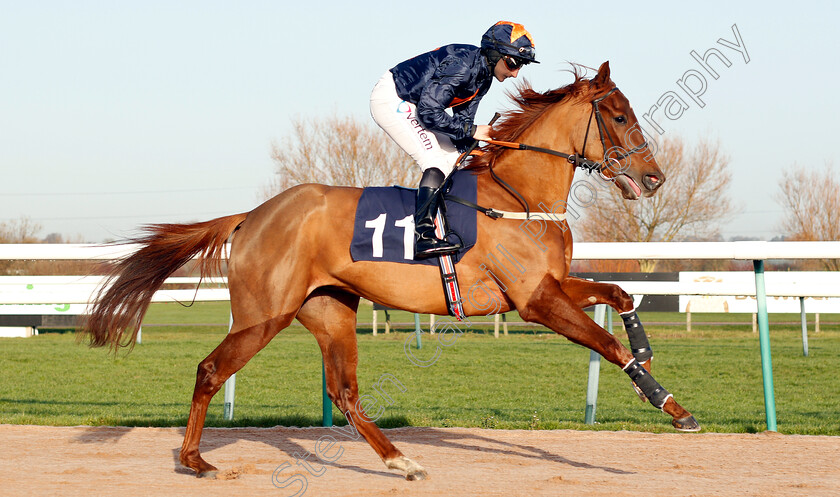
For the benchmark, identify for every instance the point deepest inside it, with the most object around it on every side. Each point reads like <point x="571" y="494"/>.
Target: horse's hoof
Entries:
<point x="413" y="471"/>
<point x="210" y="475"/>
<point x="688" y="424"/>
<point x="417" y="475"/>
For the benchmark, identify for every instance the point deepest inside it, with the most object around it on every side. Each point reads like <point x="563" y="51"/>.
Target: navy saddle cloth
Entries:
<point x="383" y="229"/>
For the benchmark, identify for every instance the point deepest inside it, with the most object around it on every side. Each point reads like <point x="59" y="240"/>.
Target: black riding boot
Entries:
<point x="426" y="244"/>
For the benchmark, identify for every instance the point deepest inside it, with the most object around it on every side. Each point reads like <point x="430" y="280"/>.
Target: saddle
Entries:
<point x="383" y="229"/>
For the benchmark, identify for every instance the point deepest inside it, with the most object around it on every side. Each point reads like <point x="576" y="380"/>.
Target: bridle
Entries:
<point x="581" y="160"/>
<point x="602" y="130"/>
<point x="576" y="160"/>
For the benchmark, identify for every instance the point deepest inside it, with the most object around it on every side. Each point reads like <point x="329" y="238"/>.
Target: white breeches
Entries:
<point x="399" y="120"/>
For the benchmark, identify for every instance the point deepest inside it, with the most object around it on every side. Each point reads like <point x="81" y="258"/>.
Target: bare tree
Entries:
<point x="811" y="202"/>
<point x="691" y="205"/>
<point x="339" y="150"/>
<point x="21" y="230"/>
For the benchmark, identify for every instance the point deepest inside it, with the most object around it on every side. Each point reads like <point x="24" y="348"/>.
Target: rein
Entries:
<point x="576" y="160"/>
<point x="581" y="160"/>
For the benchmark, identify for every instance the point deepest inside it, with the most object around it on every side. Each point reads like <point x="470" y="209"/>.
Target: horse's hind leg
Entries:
<point x="550" y="306"/>
<point x="235" y="351"/>
<point x="331" y="316"/>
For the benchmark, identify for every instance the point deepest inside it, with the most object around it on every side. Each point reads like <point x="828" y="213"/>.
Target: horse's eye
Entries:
<point x="621" y="120"/>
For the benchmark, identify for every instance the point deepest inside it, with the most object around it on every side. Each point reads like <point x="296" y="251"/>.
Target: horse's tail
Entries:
<point x="131" y="282"/>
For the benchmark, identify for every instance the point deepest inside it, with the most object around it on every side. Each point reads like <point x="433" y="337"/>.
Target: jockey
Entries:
<point x="410" y="100"/>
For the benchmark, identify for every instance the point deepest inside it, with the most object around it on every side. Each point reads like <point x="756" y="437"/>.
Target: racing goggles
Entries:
<point x="513" y="63"/>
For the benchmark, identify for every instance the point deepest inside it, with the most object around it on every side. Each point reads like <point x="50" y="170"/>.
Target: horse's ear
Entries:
<point x="603" y="75"/>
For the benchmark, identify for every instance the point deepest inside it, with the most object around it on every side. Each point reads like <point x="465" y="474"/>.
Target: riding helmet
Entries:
<point x="510" y="38"/>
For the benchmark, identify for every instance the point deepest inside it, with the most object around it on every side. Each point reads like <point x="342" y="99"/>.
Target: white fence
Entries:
<point x="81" y="289"/>
<point x="71" y="296"/>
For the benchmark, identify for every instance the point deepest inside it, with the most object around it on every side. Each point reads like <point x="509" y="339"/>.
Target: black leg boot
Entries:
<point x="426" y="244"/>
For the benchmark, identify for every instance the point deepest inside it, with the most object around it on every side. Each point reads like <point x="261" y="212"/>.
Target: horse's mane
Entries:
<point x="531" y="105"/>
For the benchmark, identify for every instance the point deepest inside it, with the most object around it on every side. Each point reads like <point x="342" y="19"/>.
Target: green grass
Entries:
<point x="529" y="379"/>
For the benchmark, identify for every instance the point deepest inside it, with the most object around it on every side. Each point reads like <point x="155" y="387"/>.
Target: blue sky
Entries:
<point x="116" y="114"/>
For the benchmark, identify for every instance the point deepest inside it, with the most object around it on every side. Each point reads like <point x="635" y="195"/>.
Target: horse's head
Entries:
<point x="588" y="123"/>
<point x="626" y="159"/>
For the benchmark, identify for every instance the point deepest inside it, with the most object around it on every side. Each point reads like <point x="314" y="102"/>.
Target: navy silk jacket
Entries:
<point x="455" y="76"/>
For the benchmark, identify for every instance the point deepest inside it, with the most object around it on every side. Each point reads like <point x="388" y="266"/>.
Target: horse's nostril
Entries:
<point x="652" y="181"/>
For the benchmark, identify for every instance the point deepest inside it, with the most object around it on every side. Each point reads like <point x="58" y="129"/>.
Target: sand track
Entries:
<point x="68" y="461"/>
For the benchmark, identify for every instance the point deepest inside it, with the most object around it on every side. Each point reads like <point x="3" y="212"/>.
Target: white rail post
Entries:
<point x="594" y="372"/>
<point x="418" y="331"/>
<point x="375" y="321"/>
<point x="230" y="387"/>
<point x="804" y="326"/>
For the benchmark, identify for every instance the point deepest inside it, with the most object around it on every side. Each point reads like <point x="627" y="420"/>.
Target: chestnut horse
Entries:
<point x="290" y="258"/>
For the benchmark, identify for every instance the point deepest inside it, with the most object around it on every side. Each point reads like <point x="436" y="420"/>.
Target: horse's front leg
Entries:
<point x="585" y="293"/>
<point x="550" y="306"/>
